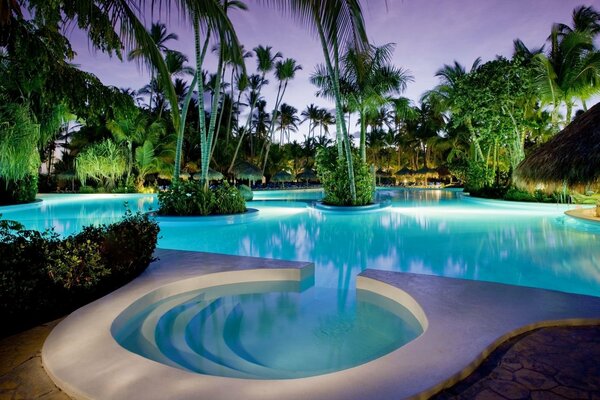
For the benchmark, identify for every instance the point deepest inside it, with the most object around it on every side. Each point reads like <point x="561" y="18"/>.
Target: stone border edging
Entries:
<point x="465" y="321"/>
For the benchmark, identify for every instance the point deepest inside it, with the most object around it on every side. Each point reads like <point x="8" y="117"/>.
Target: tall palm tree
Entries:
<point x="160" y="36"/>
<point x="265" y="60"/>
<point x="570" y="70"/>
<point x="310" y="114"/>
<point x="324" y="120"/>
<point x="287" y="121"/>
<point x="338" y="24"/>
<point x="284" y="72"/>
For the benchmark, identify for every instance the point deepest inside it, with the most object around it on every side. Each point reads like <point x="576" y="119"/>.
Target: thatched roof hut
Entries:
<point x="570" y="158"/>
<point x="212" y="175"/>
<point x="383" y="174"/>
<point x="426" y="171"/>
<point x="282" y="176"/>
<point x="307" y="175"/>
<point x="405" y="171"/>
<point x="246" y="170"/>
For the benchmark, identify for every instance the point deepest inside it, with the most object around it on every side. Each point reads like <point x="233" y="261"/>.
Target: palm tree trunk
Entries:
<point x="269" y="138"/>
<point x="246" y="127"/>
<point x="210" y="137"/>
<point x="180" y="133"/>
<point x="363" y="136"/>
<point x="204" y="149"/>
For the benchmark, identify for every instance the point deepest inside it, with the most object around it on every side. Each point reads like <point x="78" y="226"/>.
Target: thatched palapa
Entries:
<point x="246" y="170"/>
<point x="282" y="176"/>
<point x="405" y="171"/>
<point x="571" y="158"/>
<point x="307" y="175"/>
<point x="211" y="176"/>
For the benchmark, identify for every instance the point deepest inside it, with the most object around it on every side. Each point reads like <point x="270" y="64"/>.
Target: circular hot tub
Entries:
<point x="265" y="330"/>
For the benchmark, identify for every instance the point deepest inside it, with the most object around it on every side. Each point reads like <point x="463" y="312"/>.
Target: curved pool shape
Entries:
<point x="265" y="330"/>
<point x="435" y="232"/>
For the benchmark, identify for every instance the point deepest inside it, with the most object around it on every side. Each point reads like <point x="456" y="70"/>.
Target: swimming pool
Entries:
<point x="436" y="232"/>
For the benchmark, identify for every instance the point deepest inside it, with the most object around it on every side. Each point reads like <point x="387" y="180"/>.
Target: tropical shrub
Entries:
<point x="246" y="192"/>
<point x="19" y="157"/>
<point x="43" y="276"/>
<point x="104" y="162"/>
<point x="228" y="200"/>
<point x="19" y="191"/>
<point x="333" y="173"/>
<point x="514" y="194"/>
<point x="186" y="198"/>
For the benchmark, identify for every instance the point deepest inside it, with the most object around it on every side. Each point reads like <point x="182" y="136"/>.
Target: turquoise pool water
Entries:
<point x="429" y="232"/>
<point x="433" y="232"/>
<point x="266" y="330"/>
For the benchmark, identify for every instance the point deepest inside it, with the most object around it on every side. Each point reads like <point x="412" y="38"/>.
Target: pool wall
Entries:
<point x="465" y="321"/>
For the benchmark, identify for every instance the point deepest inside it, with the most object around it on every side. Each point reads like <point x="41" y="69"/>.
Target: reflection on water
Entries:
<point x="430" y="232"/>
<point x="455" y="238"/>
<point x="69" y="214"/>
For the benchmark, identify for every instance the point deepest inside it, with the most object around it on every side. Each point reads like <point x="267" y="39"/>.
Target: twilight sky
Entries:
<point x="427" y="33"/>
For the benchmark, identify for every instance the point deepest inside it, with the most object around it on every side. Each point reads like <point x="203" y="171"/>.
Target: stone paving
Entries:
<point x="21" y="373"/>
<point x="548" y="363"/>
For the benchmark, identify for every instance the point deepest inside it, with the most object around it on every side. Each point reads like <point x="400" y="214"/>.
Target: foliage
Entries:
<point x="43" y="276"/>
<point x="20" y="191"/>
<point x="514" y="194"/>
<point x="539" y="196"/>
<point x="228" y="200"/>
<point x="187" y="198"/>
<point x="333" y="174"/>
<point x="477" y="176"/>
<point x="18" y="138"/>
<point x="246" y="192"/>
<point x="103" y="162"/>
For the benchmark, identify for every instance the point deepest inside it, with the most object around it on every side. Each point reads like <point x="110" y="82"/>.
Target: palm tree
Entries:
<point x="160" y="36"/>
<point x="310" y="114"/>
<point x="287" y="121"/>
<point x="265" y="60"/>
<point x="337" y="23"/>
<point x="324" y="120"/>
<point x="284" y="72"/>
<point x="571" y="69"/>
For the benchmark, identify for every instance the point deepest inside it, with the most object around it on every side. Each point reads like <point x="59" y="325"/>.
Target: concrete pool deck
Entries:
<point x="464" y="320"/>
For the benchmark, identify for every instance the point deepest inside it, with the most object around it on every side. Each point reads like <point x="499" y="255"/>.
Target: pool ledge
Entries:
<point x="585" y="214"/>
<point x="464" y="321"/>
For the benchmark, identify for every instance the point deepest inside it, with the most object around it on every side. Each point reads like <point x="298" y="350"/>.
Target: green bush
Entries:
<point x="20" y="191"/>
<point x="514" y="194"/>
<point x="246" y="192"/>
<point x="87" y="190"/>
<point x="186" y="198"/>
<point x="43" y="276"/>
<point x="333" y="174"/>
<point x="228" y="200"/>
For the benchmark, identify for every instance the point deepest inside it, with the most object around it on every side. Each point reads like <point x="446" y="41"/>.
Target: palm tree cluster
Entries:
<point x="188" y="121"/>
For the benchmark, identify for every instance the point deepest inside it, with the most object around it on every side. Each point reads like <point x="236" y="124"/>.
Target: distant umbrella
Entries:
<point x="282" y="176"/>
<point x="212" y="175"/>
<point x="405" y="171"/>
<point x="307" y="175"/>
<point x="246" y="170"/>
<point x="570" y="158"/>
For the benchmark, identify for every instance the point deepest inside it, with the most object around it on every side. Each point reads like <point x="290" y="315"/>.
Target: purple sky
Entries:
<point x="427" y="33"/>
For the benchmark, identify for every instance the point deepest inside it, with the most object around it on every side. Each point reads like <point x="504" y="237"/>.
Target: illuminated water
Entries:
<point x="428" y="232"/>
